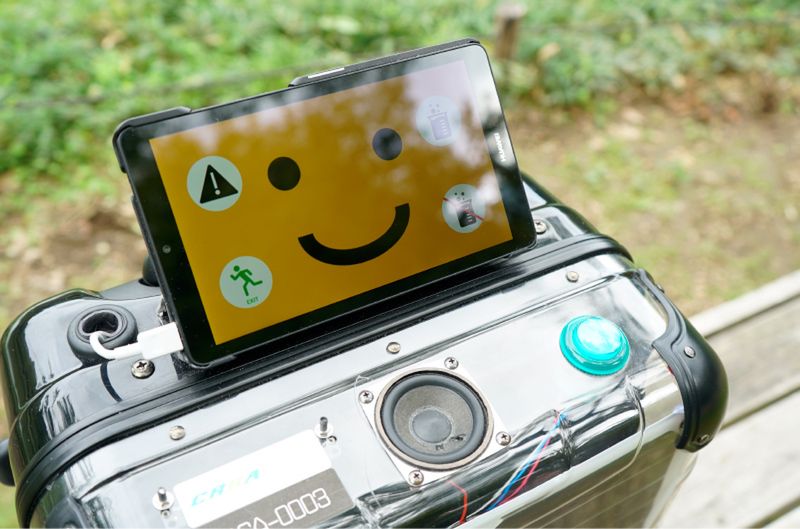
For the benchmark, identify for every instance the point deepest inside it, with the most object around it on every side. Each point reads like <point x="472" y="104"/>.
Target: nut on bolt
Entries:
<point x="163" y="499"/>
<point x="365" y="397"/>
<point x="323" y="429"/>
<point x="503" y="439"/>
<point x="415" y="477"/>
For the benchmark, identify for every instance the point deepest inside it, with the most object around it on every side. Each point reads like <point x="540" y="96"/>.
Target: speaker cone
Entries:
<point x="433" y="419"/>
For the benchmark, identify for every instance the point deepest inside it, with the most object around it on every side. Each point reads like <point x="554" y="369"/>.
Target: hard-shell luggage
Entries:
<point x="583" y="392"/>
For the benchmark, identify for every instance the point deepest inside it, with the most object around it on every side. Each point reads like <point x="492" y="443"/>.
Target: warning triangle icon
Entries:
<point x="215" y="186"/>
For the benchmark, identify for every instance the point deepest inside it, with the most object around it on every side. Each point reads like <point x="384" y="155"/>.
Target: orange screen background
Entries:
<point x="346" y="195"/>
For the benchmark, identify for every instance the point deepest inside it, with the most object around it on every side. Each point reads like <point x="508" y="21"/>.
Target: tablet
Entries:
<point x="270" y="215"/>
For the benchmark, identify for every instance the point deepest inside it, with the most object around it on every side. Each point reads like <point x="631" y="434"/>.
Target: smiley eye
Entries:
<point x="283" y="173"/>
<point x="387" y="144"/>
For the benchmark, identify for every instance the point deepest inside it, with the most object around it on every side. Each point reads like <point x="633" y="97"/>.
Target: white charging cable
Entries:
<point x="150" y="344"/>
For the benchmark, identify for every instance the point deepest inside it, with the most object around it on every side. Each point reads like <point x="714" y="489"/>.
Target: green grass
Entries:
<point x="71" y="71"/>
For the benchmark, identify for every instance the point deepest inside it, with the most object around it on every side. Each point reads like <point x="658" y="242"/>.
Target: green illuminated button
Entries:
<point x="594" y="345"/>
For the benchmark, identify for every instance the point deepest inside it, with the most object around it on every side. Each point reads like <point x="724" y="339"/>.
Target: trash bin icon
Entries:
<point x="465" y="213"/>
<point x="440" y="125"/>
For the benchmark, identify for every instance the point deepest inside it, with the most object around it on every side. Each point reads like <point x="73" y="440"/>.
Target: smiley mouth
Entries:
<point x="362" y="254"/>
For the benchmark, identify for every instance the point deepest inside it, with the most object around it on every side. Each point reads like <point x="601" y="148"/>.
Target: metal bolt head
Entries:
<point x="539" y="226"/>
<point x="176" y="433"/>
<point x="142" y="368"/>
<point x="688" y="351"/>
<point x="393" y="348"/>
<point x="503" y="439"/>
<point x="331" y="440"/>
<point x="416" y="478"/>
<point x="365" y="397"/>
<point x="450" y="363"/>
<point x="572" y="276"/>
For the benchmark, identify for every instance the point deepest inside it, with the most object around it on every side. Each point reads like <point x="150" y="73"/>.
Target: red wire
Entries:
<point x="464" y="512"/>
<point x="533" y="468"/>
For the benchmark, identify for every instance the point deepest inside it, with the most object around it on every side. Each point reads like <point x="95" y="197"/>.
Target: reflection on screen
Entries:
<point x="291" y="209"/>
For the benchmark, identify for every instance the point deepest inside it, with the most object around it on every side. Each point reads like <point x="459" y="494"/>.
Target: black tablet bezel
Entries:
<point x="169" y="256"/>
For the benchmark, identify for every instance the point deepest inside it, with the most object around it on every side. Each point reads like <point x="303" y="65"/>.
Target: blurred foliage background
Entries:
<point x="673" y="126"/>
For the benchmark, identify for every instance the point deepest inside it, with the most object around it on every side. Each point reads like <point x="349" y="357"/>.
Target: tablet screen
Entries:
<point x="297" y="207"/>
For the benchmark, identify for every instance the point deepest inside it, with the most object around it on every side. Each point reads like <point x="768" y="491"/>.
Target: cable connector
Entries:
<point x="150" y="344"/>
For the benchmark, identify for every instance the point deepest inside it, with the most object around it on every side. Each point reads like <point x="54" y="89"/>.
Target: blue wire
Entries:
<point x="529" y="461"/>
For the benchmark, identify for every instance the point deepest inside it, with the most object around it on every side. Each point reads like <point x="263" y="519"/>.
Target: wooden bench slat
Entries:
<point x="746" y="475"/>
<point x="790" y="519"/>
<point x="762" y="359"/>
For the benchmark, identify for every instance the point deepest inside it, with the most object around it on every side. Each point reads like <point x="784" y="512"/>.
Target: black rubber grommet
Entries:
<point x="402" y="387"/>
<point x="118" y="324"/>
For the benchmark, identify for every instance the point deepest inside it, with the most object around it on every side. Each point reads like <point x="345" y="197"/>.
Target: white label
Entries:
<point x="248" y="479"/>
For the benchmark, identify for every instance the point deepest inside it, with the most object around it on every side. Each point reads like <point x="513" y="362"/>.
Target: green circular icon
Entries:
<point x="245" y="282"/>
<point x="214" y="183"/>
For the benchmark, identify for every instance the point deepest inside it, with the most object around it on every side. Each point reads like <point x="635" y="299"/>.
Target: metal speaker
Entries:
<point x="433" y="419"/>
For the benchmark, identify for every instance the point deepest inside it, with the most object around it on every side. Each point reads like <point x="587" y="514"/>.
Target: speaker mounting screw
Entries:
<point x="393" y="348"/>
<point x="451" y="363"/>
<point x="540" y="226"/>
<point x="572" y="276"/>
<point x="416" y="478"/>
<point x="365" y="397"/>
<point x="503" y="439"/>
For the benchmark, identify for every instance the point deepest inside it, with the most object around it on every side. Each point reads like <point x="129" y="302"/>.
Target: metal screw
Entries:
<point x="450" y="363"/>
<point x="324" y="429"/>
<point x="393" y="348"/>
<point x="704" y="439"/>
<point x="142" y="368"/>
<point x="688" y="351"/>
<point x="365" y="397"/>
<point x="503" y="439"/>
<point x="331" y="440"/>
<point x="540" y="226"/>
<point x="176" y="433"/>
<point x="572" y="276"/>
<point x="416" y="478"/>
<point x="166" y="248"/>
<point x="163" y="500"/>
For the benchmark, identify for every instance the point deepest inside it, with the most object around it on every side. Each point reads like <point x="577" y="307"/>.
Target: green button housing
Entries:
<point x="595" y="345"/>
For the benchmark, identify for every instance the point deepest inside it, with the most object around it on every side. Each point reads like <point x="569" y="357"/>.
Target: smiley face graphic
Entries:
<point x="341" y="195"/>
<point x="284" y="174"/>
